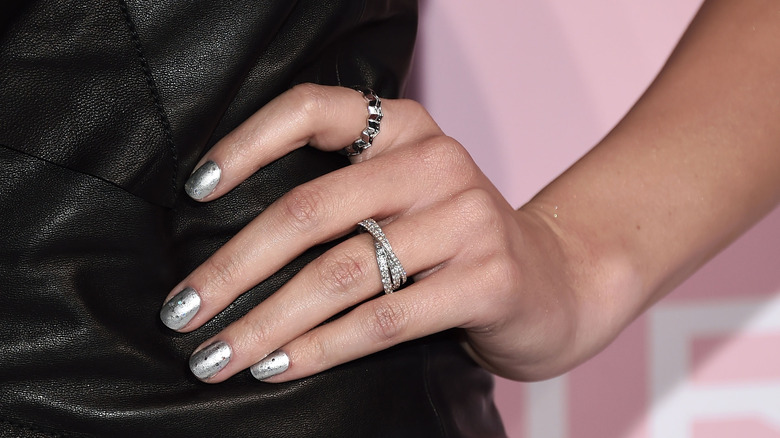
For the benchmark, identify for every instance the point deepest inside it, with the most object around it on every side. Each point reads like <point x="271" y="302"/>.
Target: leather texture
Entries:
<point x="105" y="107"/>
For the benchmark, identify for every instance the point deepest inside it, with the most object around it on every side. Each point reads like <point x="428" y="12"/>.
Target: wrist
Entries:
<point x="604" y="288"/>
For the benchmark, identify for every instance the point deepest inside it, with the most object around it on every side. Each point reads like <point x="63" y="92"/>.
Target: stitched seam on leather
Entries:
<point x="426" y="380"/>
<point x="152" y="85"/>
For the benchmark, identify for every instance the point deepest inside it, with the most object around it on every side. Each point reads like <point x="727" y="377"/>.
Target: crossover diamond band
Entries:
<point x="384" y="270"/>
<point x="390" y="268"/>
<point x="372" y="124"/>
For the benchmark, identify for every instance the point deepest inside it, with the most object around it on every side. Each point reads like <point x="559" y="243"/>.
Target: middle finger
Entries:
<point x="312" y="213"/>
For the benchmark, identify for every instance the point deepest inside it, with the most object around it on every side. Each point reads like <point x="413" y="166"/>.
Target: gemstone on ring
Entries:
<point x="392" y="273"/>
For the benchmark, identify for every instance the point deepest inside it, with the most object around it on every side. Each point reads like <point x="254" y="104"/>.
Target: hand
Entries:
<point x="477" y="264"/>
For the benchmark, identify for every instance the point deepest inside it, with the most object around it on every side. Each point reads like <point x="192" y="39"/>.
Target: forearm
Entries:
<point x="694" y="164"/>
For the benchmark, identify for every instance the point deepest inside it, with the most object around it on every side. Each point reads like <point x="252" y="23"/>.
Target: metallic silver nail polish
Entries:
<point x="180" y="309"/>
<point x="203" y="181"/>
<point x="273" y="364"/>
<point x="207" y="362"/>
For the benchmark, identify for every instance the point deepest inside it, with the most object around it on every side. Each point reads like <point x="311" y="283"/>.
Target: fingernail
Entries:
<point x="273" y="364"/>
<point x="203" y="181"/>
<point x="207" y="362"/>
<point x="180" y="309"/>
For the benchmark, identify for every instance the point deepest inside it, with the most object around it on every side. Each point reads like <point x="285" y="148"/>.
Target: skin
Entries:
<point x="537" y="290"/>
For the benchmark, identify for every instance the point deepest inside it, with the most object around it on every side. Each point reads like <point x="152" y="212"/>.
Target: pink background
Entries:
<point x="528" y="86"/>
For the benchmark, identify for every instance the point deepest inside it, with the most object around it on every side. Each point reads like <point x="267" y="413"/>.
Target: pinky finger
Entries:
<point x="434" y="304"/>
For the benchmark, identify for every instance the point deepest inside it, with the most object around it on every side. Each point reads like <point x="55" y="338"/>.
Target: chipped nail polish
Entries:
<point x="179" y="310"/>
<point x="203" y="181"/>
<point x="206" y="362"/>
<point x="273" y="364"/>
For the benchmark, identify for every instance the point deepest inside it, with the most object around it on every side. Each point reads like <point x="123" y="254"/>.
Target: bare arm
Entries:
<point x="693" y="165"/>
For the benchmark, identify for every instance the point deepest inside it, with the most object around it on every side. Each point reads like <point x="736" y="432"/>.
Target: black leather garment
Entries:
<point x="105" y="107"/>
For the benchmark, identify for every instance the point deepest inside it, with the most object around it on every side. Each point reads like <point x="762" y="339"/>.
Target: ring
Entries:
<point x="372" y="123"/>
<point x="390" y="269"/>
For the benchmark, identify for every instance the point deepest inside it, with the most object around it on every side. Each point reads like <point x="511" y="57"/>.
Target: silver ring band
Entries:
<point x="384" y="270"/>
<point x="390" y="269"/>
<point x="372" y="123"/>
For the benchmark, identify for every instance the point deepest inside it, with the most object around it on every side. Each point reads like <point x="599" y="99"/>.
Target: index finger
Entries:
<point x="325" y="117"/>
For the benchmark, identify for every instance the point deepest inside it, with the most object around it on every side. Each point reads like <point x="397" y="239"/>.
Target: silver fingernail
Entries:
<point x="203" y="181"/>
<point x="273" y="364"/>
<point x="180" y="309"/>
<point x="207" y="362"/>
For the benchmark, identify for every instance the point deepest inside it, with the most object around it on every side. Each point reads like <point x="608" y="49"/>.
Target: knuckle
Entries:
<point x="387" y="320"/>
<point x="480" y="218"/>
<point x="501" y="273"/>
<point x="222" y="272"/>
<point x="413" y="110"/>
<point x="309" y="98"/>
<point x="444" y="156"/>
<point x="255" y="332"/>
<point x="415" y="124"/>
<point x="304" y="207"/>
<point x="315" y="349"/>
<point x="477" y="208"/>
<point x="340" y="273"/>
<point x="439" y="149"/>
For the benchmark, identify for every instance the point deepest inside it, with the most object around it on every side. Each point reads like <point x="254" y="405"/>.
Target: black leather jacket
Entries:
<point x="105" y="107"/>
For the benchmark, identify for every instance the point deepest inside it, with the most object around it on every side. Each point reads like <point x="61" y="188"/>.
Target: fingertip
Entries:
<point x="178" y="311"/>
<point x="203" y="181"/>
<point x="206" y="362"/>
<point x="272" y="365"/>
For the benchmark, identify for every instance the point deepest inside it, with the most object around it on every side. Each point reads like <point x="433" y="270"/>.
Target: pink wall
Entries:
<point x="530" y="85"/>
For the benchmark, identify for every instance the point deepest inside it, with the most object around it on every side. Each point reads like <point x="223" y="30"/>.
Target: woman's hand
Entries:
<point x="477" y="263"/>
<point x="537" y="290"/>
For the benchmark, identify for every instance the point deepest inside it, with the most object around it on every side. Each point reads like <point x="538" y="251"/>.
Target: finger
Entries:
<point x="441" y="301"/>
<point x="328" y="118"/>
<point x="315" y="212"/>
<point x="345" y="276"/>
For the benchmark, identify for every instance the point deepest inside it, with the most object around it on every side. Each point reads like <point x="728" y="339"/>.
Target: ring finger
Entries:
<point x="344" y="276"/>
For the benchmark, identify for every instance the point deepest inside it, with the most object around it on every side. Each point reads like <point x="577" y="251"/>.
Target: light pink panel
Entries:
<point x="528" y="86"/>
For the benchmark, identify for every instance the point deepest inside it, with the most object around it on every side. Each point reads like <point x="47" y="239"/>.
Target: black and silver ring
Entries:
<point x="372" y="123"/>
